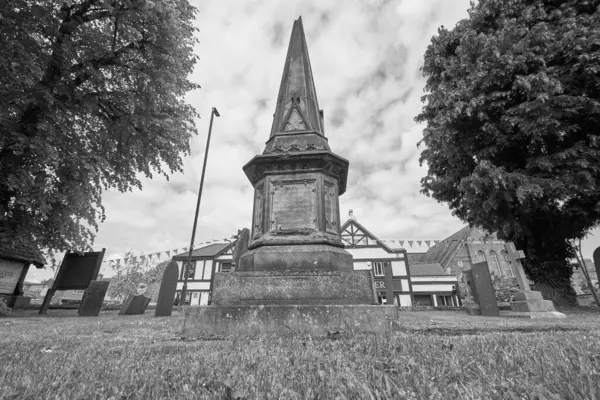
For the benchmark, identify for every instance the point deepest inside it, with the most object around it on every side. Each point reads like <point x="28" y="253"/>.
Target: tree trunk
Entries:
<point x="561" y="295"/>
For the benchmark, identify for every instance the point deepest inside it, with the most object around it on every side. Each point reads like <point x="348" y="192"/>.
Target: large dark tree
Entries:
<point x="512" y="140"/>
<point x="91" y="98"/>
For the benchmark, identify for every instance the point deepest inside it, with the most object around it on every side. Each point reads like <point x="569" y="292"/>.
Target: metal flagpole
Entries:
<point x="189" y="259"/>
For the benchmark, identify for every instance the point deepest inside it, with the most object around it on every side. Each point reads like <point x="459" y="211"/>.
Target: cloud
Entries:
<point x="365" y="57"/>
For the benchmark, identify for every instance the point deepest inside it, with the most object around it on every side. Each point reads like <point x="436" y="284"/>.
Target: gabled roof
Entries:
<point x="431" y="269"/>
<point x="355" y="235"/>
<point x="20" y="250"/>
<point x="444" y="251"/>
<point x="206" y="252"/>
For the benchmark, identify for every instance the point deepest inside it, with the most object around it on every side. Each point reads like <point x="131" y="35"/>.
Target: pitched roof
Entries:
<point x="210" y="251"/>
<point x="355" y="235"/>
<point x="431" y="269"/>
<point x="21" y="250"/>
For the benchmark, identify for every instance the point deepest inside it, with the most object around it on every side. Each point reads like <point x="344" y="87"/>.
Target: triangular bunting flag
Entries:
<point x="419" y="242"/>
<point x="168" y="253"/>
<point x="185" y="249"/>
<point x="410" y="242"/>
<point x="401" y="242"/>
<point x="428" y="242"/>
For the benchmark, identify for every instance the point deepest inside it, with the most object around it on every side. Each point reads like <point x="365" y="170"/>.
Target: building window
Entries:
<point x="226" y="267"/>
<point x="379" y="268"/>
<point x="191" y="271"/>
<point x="423" y="300"/>
<point x="508" y="269"/>
<point x="494" y="264"/>
<point x="481" y="256"/>
<point x="445" y="301"/>
<point x="188" y="297"/>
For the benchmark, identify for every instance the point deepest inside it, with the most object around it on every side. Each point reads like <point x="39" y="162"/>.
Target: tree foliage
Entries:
<point x="136" y="269"/>
<point x="512" y="142"/>
<point x="91" y="98"/>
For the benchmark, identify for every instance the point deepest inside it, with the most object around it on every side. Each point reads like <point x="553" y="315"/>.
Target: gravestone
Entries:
<point x="76" y="272"/>
<point x="166" y="294"/>
<point x="241" y="247"/>
<point x="135" y="305"/>
<point x="482" y="290"/>
<point x="596" y="257"/>
<point x="91" y="302"/>
<point x="527" y="301"/>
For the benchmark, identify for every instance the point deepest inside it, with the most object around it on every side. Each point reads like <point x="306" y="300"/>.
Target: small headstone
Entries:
<point x="166" y="294"/>
<point x="482" y="289"/>
<point x="92" y="299"/>
<point x="241" y="247"/>
<point x="597" y="259"/>
<point x="135" y="305"/>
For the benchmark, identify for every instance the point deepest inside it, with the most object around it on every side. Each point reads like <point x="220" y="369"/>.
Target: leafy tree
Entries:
<point x="91" y="97"/>
<point x="136" y="269"/>
<point x="512" y="140"/>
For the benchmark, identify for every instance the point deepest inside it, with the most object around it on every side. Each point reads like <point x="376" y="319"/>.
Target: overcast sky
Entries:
<point x="365" y="58"/>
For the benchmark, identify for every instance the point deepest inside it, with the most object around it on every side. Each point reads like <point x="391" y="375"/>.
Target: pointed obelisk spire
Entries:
<point x="297" y="107"/>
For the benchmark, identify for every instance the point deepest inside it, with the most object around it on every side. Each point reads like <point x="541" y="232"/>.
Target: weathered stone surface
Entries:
<point x="531" y="295"/>
<point x="296" y="257"/>
<point x="168" y="287"/>
<point x="532" y="306"/>
<point x="480" y="284"/>
<point x="532" y="315"/>
<point x="91" y="302"/>
<point x="293" y="287"/>
<point x="287" y="319"/>
<point x="135" y="305"/>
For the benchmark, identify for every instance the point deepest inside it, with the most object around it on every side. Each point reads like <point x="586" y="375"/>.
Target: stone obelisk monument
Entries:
<point x="296" y="275"/>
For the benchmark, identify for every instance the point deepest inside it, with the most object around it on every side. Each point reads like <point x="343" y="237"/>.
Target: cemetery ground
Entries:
<point x="426" y="355"/>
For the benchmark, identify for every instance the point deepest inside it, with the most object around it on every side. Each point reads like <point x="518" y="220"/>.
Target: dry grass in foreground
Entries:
<point x="141" y="357"/>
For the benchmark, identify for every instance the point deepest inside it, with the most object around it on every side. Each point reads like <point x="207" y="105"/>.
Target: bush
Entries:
<point x="4" y="310"/>
<point x="505" y="287"/>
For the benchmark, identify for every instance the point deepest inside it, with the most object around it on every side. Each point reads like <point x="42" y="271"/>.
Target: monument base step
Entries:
<point x="532" y="315"/>
<point x="473" y="309"/>
<point x="531" y="302"/>
<point x="293" y="287"/>
<point x="288" y="320"/>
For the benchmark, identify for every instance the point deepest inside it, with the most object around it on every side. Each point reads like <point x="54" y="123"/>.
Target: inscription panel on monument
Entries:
<point x="331" y="201"/>
<point x="258" y="211"/>
<point x="280" y="288"/>
<point x="294" y="204"/>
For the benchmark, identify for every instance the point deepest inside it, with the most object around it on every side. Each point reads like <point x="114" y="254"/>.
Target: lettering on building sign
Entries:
<point x="379" y="285"/>
<point x="5" y="274"/>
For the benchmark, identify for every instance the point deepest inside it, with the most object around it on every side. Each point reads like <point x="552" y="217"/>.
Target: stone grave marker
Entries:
<point x="482" y="290"/>
<point x="528" y="301"/>
<point x="596" y="257"/>
<point x="241" y="247"/>
<point x="166" y="294"/>
<point x="92" y="299"/>
<point x="135" y="305"/>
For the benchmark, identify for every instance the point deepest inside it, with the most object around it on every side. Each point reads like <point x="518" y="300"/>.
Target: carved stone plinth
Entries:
<point x="296" y="257"/>
<point x="293" y="287"/>
<point x="288" y="320"/>
<point x="533" y="303"/>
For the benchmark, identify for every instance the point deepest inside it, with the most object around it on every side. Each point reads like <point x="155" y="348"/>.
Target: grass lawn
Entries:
<point x="430" y="355"/>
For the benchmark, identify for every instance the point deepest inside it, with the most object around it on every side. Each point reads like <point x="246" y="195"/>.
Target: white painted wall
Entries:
<point x="404" y="284"/>
<point x="204" y="298"/>
<point x="448" y="278"/>
<point x="207" y="269"/>
<point x="399" y="267"/>
<point x="361" y="265"/>
<point x="194" y="285"/>
<point x="369" y="252"/>
<point x="432" y="288"/>
<point x="405" y="300"/>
